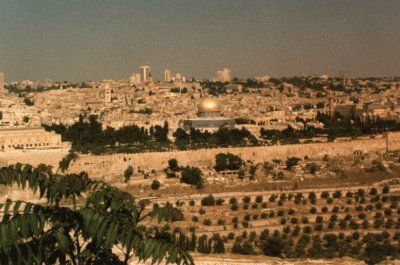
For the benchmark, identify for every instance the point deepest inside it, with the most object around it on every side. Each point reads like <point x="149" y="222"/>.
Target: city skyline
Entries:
<point x="80" y="41"/>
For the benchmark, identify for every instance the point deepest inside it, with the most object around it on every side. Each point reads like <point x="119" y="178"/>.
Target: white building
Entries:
<point x="179" y="78"/>
<point x="224" y="75"/>
<point x="145" y="73"/>
<point x="167" y="76"/>
<point x="135" y="79"/>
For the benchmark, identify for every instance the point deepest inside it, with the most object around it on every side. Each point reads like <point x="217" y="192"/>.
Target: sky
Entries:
<point x="81" y="40"/>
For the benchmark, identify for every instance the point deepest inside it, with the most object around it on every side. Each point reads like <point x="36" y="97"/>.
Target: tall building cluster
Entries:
<point x="143" y="76"/>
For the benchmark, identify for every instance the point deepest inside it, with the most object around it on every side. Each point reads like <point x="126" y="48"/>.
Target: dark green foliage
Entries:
<point x="385" y="189"/>
<point x="89" y="136"/>
<point x="185" y="242"/>
<point x="334" y="126"/>
<point x="272" y="198"/>
<point x="246" y="199"/>
<point x="376" y="252"/>
<point x="28" y="102"/>
<point x="337" y="194"/>
<point x="227" y="161"/>
<point x="51" y="233"/>
<point x="155" y="185"/>
<point x="325" y="195"/>
<point x="218" y="244"/>
<point x="252" y="170"/>
<point x="223" y="137"/>
<point x="204" y="245"/>
<point x="273" y="246"/>
<point x="173" y="165"/>
<point x="312" y="195"/>
<point x="233" y="200"/>
<point x="307" y="229"/>
<point x="219" y="201"/>
<point x="128" y="173"/>
<point x="246" y="248"/>
<point x="207" y="222"/>
<point x="291" y="162"/>
<point x="240" y="121"/>
<point x="147" y="111"/>
<point x="208" y="201"/>
<point x="192" y="176"/>
<point x="286" y="136"/>
<point x="312" y="168"/>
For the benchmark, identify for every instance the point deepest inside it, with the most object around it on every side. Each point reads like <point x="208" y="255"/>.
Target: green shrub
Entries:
<point x="192" y="176"/>
<point x="207" y="222"/>
<point x="155" y="185"/>
<point x="208" y="201"/>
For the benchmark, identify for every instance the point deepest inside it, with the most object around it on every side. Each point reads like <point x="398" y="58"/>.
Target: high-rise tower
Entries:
<point x="145" y="73"/>
<point x="167" y="75"/>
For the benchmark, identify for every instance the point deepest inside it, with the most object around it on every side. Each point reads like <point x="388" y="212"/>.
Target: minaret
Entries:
<point x="107" y="94"/>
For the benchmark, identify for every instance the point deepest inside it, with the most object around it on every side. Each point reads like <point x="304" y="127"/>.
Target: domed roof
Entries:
<point x="209" y="105"/>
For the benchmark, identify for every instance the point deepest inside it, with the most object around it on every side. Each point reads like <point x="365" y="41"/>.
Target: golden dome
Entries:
<point x="209" y="105"/>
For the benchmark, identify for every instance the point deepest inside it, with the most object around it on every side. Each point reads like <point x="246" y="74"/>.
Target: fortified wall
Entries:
<point x="113" y="165"/>
<point x="50" y="157"/>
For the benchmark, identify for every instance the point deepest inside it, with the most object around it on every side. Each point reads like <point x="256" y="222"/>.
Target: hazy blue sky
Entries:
<point x="96" y="39"/>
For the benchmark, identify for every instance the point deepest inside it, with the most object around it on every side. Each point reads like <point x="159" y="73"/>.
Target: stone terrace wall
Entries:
<point x="394" y="140"/>
<point x="113" y="165"/>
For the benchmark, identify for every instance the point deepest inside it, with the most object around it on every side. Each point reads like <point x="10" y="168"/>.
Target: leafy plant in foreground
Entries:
<point x="82" y="221"/>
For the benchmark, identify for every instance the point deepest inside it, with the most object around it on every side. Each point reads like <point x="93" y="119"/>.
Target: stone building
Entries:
<point x="28" y="138"/>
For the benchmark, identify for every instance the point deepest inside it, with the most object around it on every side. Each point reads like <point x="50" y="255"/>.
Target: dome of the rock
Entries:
<point x="209" y="105"/>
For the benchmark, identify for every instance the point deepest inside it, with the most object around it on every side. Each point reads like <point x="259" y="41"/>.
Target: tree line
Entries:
<point x="334" y="126"/>
<point x="88" y="135"/>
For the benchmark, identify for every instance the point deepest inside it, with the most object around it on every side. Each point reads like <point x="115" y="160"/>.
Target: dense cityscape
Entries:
<point x="221" y="124"/>
<point x="133" y="135"/>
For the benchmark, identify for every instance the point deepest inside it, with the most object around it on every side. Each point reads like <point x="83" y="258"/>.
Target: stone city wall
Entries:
<point x="113" y="165"/>
<point x="50" y="157"/>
